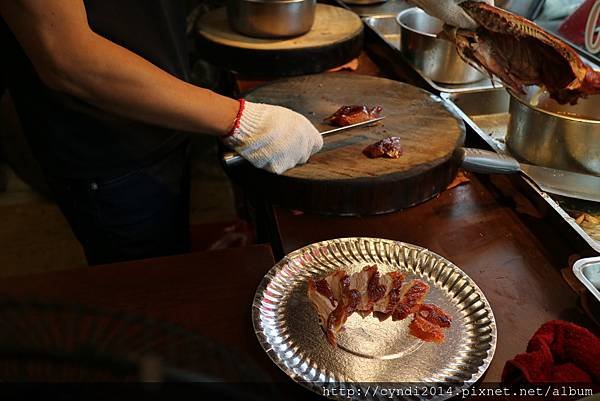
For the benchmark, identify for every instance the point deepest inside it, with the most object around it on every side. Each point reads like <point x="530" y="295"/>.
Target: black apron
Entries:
<point x="72" y="139"/>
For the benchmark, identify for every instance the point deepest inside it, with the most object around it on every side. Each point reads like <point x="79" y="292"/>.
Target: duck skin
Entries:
<point x="339" y="295"/>
<point x="520" y="53"/>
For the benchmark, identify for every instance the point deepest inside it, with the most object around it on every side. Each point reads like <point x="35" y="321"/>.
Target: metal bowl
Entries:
<point x="543" y="132"/>
<point x="271" y="18"/>
<point x="437" y="59"/>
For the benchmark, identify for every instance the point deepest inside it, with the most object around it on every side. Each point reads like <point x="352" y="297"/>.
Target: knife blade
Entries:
<point x="346" y="127"/>
<point x="564" y="183"/>
<point x="554" y="181"/>
<point x="232" y="158"/>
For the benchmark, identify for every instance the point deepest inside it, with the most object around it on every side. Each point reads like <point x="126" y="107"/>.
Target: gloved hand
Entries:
<point x="449" y="11"/>
<point x="272" y="137"/>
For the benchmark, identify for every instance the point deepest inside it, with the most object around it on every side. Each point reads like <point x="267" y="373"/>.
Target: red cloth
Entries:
<point x="573" y="28"/>
<point x="559" y="352"/>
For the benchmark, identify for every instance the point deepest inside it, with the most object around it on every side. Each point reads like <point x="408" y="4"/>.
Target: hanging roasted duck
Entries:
<point x="520" y="53"/>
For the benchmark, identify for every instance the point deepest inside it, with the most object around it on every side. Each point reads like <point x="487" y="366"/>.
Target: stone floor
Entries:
<point x="34" y="236"/>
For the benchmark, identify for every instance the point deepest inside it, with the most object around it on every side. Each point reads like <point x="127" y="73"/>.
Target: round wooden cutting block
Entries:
<point x="335" y="39"/>
<point x="340" y="179"/>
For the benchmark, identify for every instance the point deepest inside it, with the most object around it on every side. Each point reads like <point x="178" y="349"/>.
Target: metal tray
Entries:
<point x="588" y="272"/>
<point x="386" y="27"/>
<point x="369" y="351"/>
<point x="486" y="113"/>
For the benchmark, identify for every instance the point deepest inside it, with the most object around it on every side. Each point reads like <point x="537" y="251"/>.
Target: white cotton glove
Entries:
<point x="273" y="138"/>
<point x="449" y="11"/>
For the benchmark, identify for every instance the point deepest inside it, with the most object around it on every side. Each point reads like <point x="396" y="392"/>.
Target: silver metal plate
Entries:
<point x="370" y="351"/>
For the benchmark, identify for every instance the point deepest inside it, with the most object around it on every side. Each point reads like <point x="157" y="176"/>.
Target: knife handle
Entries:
<point x="232" y="159"/>
<point x="486" y="162"/>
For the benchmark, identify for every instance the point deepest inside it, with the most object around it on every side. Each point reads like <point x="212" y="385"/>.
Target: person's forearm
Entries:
<point x="117" y="80"/>
<point x="69" y="57"/>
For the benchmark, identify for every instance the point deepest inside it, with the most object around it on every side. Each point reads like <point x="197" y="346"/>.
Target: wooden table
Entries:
<point x="212" y="292"/>
<point x="476" y="228"/>
<point x="179" y="289"/>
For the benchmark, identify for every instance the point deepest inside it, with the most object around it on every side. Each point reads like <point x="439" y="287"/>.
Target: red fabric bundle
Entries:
<point x="573" y="28"/>
<point x="559" y="352"/>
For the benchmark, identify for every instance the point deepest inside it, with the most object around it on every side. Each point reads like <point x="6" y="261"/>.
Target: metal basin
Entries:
<point x="437" y="59"/>
<point x="543" y="132"/>
<point x="588" y="273"/>
<point x="271" y="18"/>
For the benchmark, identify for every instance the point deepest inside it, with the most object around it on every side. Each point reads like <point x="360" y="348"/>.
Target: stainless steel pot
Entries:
<point x="271" y="18"/>
<point x="543" y="132"/>
<point x="437" y="59"/>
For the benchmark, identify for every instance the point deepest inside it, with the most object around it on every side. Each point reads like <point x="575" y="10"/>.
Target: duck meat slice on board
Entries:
<point x="348" y="115"/>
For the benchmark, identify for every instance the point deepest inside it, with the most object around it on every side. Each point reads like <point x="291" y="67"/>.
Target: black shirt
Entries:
<point x="73" y="139"/>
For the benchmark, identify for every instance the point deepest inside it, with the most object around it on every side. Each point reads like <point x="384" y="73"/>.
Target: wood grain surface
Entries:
<point x="428" y="130"/>
<point x="335" y="38"/>
<point x="341" y="180"/>
<point x="332" y="25"/>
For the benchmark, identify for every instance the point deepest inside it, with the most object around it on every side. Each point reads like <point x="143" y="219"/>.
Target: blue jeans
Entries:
<point x="141" y="214"/>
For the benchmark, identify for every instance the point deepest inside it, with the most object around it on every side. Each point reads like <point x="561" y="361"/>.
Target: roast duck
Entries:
<point x="339" y="295"/>
<point x="520" y="53"/>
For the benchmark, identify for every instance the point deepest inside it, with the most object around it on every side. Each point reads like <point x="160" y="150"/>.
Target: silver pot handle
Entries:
<point x="486" y="162"/>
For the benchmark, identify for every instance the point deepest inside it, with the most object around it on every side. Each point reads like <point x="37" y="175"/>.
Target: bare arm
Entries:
<point x="69" y="57"/>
